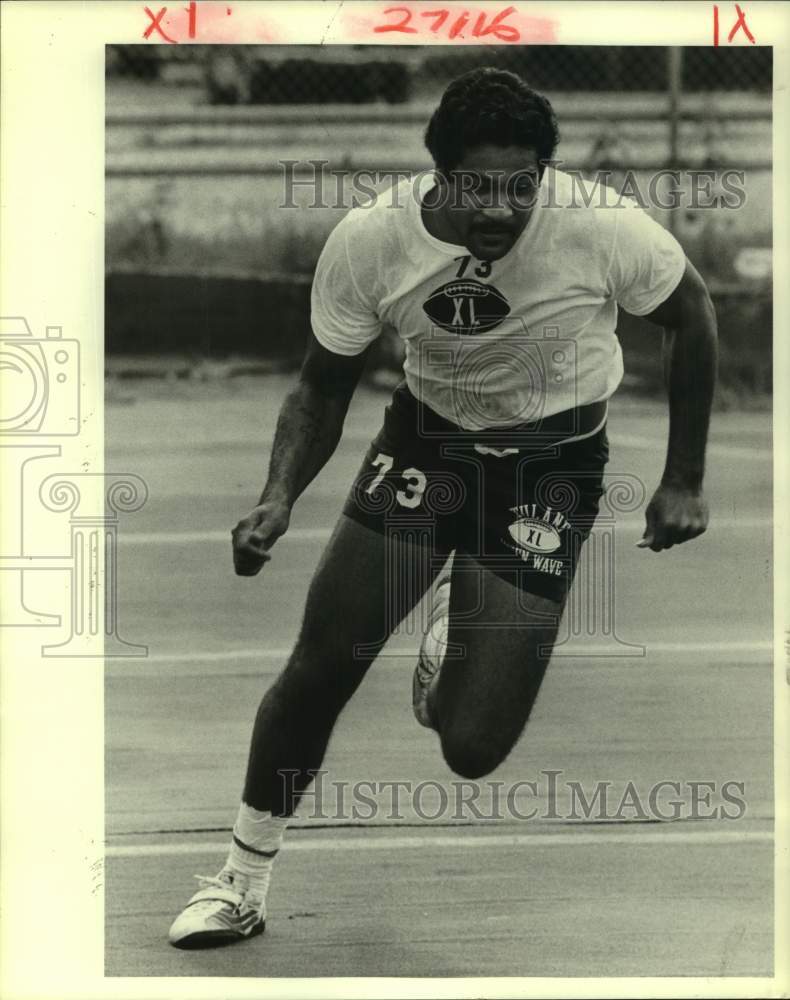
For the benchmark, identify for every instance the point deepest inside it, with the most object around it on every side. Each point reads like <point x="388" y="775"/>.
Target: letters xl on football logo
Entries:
<point x="466" y="306"/>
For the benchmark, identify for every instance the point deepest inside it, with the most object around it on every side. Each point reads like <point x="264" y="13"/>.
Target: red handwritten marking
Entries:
<point x="459" y="25"/>
<point x="215" y="18"/>
<point x="740" y="24"/>
<point x="192" y="12"/>
<point x="439" y="16"/>
<point x="402" y="25"/>
<point x="355" y="26"/>
<point x="156" y="25"/>
<point x="205" y="22"/>
<point x="503" y="32"/>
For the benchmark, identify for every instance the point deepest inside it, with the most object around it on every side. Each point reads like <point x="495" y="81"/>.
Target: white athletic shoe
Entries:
<point x="432" y="650"/>
<point x="220" y="912"/>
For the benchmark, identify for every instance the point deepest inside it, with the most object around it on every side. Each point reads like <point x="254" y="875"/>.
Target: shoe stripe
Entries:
<point x="235" y="923"/>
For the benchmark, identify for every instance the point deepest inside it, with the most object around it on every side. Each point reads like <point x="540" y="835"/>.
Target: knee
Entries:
<point x="471" y="756"/>
<point x="319" y="678"/>
<point x="325" y="647"/>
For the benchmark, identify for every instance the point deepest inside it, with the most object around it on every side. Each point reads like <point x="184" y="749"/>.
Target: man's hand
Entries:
<point x="256" y="533"/>
<point x="674" y="515"/>
<point x="308" y="430"/>
<point x="678" y="510"/>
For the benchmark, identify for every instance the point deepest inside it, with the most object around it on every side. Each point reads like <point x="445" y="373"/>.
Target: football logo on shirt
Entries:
<point x="466" y="307"/>
<point x="536" y="534"/>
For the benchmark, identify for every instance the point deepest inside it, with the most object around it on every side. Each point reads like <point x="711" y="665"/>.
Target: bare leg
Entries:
<point x="482" y="701"/>
<point x="352" y="602"/>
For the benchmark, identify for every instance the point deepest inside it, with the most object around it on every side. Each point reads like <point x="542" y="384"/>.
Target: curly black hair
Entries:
<point x="489" y="105"/>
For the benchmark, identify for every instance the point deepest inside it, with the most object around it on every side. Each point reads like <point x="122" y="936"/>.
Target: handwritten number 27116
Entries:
<point x="496" y="27"/>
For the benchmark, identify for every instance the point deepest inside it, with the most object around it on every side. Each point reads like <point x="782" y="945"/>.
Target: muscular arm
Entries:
<point x="690" y="355"/>
<point x="308" y="431"/>
<point x="678" y="510"/>
<point x="311" y="421"/>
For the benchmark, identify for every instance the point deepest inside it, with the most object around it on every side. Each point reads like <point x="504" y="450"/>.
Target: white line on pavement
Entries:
<point x="322" y="534"/>
<point x="190" y="537"/>
<point x="461" y="840"/>
<point x="714" y="448"/>
<point x="280" y="654"/>
<point x="362" y="438"/>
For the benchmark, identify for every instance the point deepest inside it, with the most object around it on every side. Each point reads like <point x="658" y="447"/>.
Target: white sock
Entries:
<point x="257" y="837"/>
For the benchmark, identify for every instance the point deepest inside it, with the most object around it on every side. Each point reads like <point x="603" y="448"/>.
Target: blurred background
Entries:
<point x="207" y="275"/>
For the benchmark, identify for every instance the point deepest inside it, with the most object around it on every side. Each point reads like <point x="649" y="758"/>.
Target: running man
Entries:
<point x="505" y="286"/>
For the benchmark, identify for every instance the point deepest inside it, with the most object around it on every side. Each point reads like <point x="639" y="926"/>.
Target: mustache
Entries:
<point x="493" y="230"/>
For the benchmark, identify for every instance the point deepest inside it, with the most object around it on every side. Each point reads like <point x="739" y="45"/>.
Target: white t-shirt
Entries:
<point x="493" y="344"/>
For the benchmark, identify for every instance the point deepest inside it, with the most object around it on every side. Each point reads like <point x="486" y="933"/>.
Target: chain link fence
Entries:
<point x="242" y="74"/>
<point x="197" y="136"/>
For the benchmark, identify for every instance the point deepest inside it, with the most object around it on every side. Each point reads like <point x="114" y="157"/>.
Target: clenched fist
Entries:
<point x="674" y="515"/>
<point x="256" y="533"/>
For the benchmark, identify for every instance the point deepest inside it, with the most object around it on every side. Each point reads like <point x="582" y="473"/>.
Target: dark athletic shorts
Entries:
<point x="521" y="500"/>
